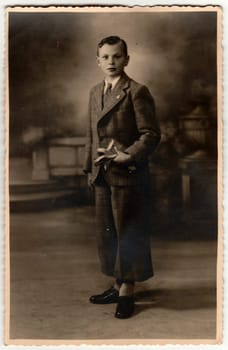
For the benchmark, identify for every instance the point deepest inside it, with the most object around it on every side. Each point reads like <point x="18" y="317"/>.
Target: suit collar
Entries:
<point x="117" y="95"/>
<point x="122" y="83"/>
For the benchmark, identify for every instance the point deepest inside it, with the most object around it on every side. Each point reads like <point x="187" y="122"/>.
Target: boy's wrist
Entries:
<point x="123" y="158"/>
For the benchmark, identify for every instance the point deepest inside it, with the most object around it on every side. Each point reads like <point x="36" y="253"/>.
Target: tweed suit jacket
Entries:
<point x="129" y="119"/>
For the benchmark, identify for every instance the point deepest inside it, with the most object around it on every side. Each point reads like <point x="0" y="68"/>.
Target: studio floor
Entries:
<point x="54" y="270"/>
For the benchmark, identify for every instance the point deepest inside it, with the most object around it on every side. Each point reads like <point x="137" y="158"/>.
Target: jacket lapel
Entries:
<point x="98" y="97"/>
<point x="117" y="95"/>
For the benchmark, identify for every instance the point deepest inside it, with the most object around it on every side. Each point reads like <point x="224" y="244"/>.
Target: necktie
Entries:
<point x="107" y="94"/>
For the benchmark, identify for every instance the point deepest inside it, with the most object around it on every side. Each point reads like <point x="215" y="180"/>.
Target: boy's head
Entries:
<point x="112" y="56"/>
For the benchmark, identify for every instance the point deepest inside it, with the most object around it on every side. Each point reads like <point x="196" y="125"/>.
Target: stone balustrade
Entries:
<point x="59" y="157"/>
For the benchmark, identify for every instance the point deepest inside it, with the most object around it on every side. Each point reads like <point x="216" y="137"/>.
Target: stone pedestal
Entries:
<point x="66" y="156"/>
<point x="40" y="163"/>
<point x="199" y="187"/>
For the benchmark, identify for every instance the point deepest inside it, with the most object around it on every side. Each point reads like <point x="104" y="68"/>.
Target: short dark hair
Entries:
<point x="112" y="40"/>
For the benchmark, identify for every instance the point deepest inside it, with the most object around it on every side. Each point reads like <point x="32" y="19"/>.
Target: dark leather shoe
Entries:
<point x="125" y="307"/>
<point x="108" y="297"/>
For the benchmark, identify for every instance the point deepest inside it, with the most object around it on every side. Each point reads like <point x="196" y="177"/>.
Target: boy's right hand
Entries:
<point x="89" y="180"/>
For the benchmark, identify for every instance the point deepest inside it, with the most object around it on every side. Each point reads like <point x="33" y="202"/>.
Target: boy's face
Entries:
<point x="112" y="60"/>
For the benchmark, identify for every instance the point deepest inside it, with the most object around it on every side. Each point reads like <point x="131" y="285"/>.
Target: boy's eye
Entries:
<point x="105" y="57"/>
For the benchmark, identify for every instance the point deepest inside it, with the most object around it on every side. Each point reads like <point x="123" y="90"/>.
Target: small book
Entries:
<point x="107" y="155"/>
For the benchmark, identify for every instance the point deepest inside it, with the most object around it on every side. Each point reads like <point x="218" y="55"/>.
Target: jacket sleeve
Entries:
<point x="148" y="128"/>
<point x="87" y="166"/>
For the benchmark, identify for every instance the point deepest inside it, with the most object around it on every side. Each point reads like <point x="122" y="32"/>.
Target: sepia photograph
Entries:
<point x="114" y="175"/>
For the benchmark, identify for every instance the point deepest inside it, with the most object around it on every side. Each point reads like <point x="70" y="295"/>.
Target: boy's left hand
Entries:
<point x="121" y="157"/>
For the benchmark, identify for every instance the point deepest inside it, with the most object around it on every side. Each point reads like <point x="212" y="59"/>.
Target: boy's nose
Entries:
<point x="111" y="60"/>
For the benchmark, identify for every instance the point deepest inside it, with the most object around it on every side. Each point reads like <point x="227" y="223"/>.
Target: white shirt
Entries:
<point x="114" y="82"/>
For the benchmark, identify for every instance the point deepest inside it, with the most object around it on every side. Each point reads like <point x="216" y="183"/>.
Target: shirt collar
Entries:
<point x="114" y="82"/>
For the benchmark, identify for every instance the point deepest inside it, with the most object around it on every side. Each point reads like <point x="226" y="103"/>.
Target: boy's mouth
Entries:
<point x="111" y="69"/>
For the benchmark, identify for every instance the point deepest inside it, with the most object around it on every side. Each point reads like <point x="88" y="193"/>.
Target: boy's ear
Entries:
<point x="98" y="60"/>
<point x="127" y="60"/>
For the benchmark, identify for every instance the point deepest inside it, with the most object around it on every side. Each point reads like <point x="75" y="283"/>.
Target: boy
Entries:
<point x="122" y="133"/>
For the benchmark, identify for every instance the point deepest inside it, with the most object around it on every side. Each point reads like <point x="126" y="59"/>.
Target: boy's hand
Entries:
<point x="111" y="153"/>
<point x="121" y="157"/>
<point x="89" y="180"/>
